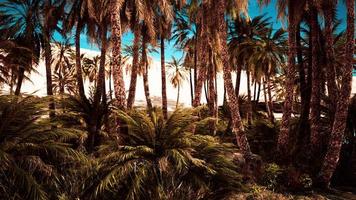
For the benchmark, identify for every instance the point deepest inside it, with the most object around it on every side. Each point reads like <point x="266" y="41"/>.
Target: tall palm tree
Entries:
<point x="316" y="80"/>
<point x="245" y="31"/>
<point x="328" y="7"/>
<point x="78" y="17"/>
<point x="221" y="7"/>
<point x="267" y="56"/>
<point x="135" y="64"/>
<point x="51" y="12"/>
<point x="63" y="77"/>
<point x="116" y="34"/>
<point x="185" y="36"/>
<point x="20" y="23"/>
<point x="295" y="10"/>
<point x="90" y="68"/>
<point x="145" y="66"/>
<point x="165" y="31"/>
<point x="177" y="75"/>
<point x="339" y="125"/>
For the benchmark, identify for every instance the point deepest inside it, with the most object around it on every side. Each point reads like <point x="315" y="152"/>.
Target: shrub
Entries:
<point x="163" y="159"/>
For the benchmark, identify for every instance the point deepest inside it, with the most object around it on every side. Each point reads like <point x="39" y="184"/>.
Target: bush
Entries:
<point x="163" y="159"/>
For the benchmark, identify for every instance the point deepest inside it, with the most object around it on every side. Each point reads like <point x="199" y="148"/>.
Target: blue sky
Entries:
<point x="254" y="10"/>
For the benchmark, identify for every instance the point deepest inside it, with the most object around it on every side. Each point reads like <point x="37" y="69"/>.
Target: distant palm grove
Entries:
<point x="291" y="136"/>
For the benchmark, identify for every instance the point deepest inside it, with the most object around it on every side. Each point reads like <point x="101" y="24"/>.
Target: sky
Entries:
<point x="253" y="10"/>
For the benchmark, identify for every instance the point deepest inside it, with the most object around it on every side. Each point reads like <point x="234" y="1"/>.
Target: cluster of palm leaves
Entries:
<point x="163" y="159"/>
<point x="43" y="158"/>
<point x="35" y="153"/>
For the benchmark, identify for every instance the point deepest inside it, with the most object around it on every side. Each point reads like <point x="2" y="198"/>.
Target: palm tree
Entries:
<point x="50" y="13"/>
<point x="116" y="34"/>
<point x="221" y="32"/>
<point x="267" y="59"/>
<point x="30" y="150"/>
<point x="165" y="31"/>
<point x="329" y="15"/>
<point x="163" y="159"/>
<point x="90" y="68"/>
<point x="177" y="75"/>
<point x="16" y="60"/>
<point x="63" y="78"/>
<point x="135" y="64"/>
<point x="245" y="32"/>
<point x="145" y="65"/>
<point x="295" y="10"/>
<point x="78" y="17"/>
<point x="20" y="24"/>
<point x="339" y="125"/>
<point x="185" y="36"/>
<point x="316" y="81"/>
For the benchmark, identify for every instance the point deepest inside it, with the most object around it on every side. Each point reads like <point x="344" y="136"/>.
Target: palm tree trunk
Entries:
<point x="206" y="90"/>
<point x="78" y="64"/>
<point x="339" y="125"/>
<point x="177" y="103"/>
<point x="287" y="111"/>
<point x="101" y="74"/>
<point x="212" y="93"/>
<point x="202" y="69"/>
<point x="254" y="91"/>
<point x="145" y="73"/>
<point x="20" y="78"/>
<point x="48" y="61"/>
<point x="238" y="80"/>
<point x="316" y="93"/>
<point x="119" y="84"/>
<point x="110" y="84"/>
<point x="237" y="127"/>
<point x="191" y="86"/>
<point x="164" y="82"/>
<point x="196" y="47"/>
<point x="269" y="97"/>
<point x="330" y="72"/>
<point x="304" y="92"/>
<point x="134" y="71"/>
<point x="258" y="93"/>
<point x="12" y="81"/>
<point x="249" y="103"/>
<point x="268" y="108"/>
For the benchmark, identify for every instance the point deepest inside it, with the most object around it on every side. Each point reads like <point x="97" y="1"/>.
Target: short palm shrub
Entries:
<point x="163" y="159"/>
<point x="34" y="153"/>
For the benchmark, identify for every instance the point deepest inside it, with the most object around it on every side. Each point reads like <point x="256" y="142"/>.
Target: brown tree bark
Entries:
<point x="119" y="84"/>
<point x="238" y="80"/>
<point x="101" y="73"/>
<point x="269" y="97"/>
<point x="339" y="125"/>
<point x="201" y="65"/>
<point x="249" y="103"/>
<point x="268" y="108"/>
<point x="20" y="78"/>
<point x="237" y="127"/>
<point x="48" y="62"/>
<point x="164" y="81"/>
<point x="212" y="93"/>
<point x="316" y="90"/>
<point x="330" y="72"/>
<point x="144" y="64"/>
<point x="283" y="137"/>
<point x="134" y="69"/>
<point x="78" y="64"/>
<point x="305" y="92"/>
